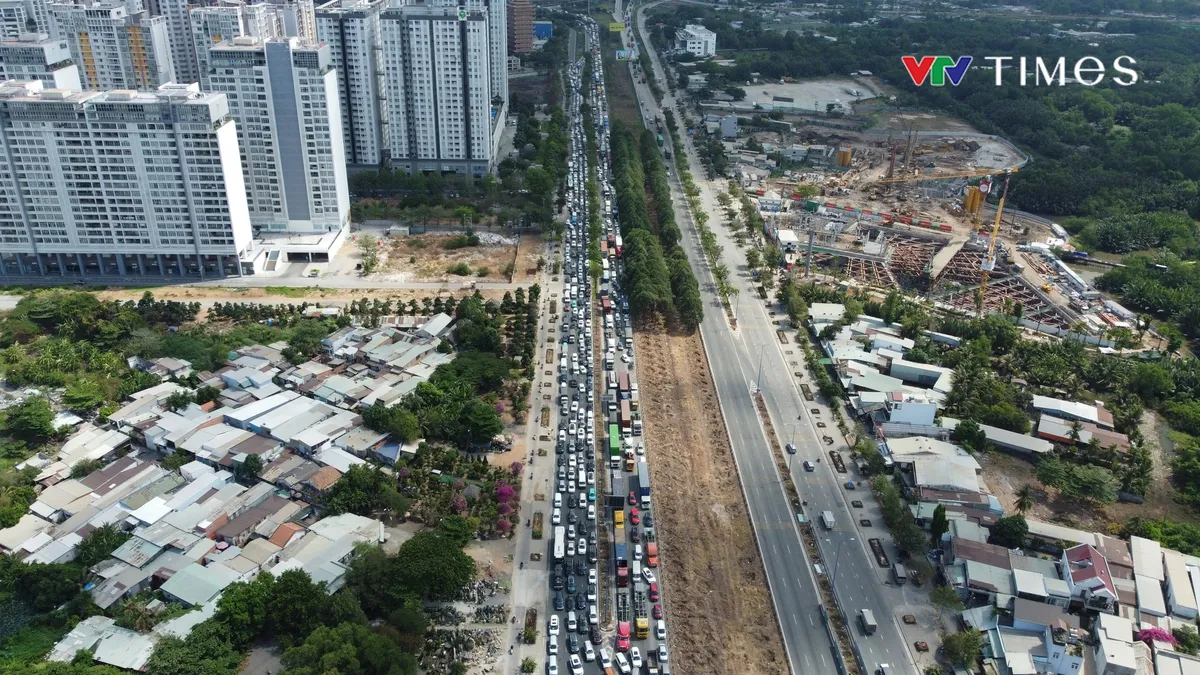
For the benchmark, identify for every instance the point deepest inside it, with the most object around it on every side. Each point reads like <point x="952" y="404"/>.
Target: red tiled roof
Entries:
<point x="1097" y="567"/>
<point x="284" y="532"/>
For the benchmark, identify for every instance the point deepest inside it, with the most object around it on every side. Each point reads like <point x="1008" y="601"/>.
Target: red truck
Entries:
<point x="623" y="636"/>
<point x="652" y="553"/>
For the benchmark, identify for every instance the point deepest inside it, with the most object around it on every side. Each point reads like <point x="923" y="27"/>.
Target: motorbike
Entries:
<point x="526" y="523"/>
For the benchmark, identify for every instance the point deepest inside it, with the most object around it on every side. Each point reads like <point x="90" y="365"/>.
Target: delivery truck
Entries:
<point x="643" y="479"/>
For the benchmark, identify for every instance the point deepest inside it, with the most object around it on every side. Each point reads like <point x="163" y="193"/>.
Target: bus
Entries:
<point x="614" y="446"/>
<point x="560" y="542"/>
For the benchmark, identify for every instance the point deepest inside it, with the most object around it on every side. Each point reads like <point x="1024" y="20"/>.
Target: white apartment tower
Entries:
<point x="24" y="16"/>
<point x="438" y="74"/>
<point x="298" y="18"/>
<point x="120" y="183"/>
<point x="115" y="49"/>
<point x="225" y="21"/>
<point x="497" y="13"/>
<point x="284" y="96"/>
<point x="183" y="50"/>
<point x="351" y="29"/>
<point x="37" y="56"/>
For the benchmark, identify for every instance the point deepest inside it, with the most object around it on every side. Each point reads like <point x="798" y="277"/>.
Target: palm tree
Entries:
<point x="138" y="614"/>
<point x="1025" y="498"/>
<point x="1076" y="431"/>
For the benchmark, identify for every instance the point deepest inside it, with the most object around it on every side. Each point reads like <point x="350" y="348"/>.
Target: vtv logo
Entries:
<point x="937" y="69"/>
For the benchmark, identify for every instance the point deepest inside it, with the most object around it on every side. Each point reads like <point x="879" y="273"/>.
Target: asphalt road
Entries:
<point x="742" y="355"/>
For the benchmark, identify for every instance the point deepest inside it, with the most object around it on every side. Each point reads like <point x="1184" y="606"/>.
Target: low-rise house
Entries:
<point x="978" y="571"/>
<point x="1115" y="651"/>
<point x="1073" y="410"/>
<point x="930" y="463"/>
<point x="1024" y="446"/>
<point x="198" y="584"/>
<point x="108" y="643"/>
<point x="165" y="367"/>
<point x="1086" y="573"/>
<point x="1061" y="430"/>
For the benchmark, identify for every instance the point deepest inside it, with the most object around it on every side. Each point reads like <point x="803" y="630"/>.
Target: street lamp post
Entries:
<point x="758" y="380"/>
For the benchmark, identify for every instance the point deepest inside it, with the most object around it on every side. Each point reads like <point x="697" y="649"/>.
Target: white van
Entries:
<point x="558" y="500"/>
<point x="572" y="622"/>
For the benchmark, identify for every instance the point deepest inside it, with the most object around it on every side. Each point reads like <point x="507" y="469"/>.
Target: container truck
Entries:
<point x="643" y="475"/>
<point x="624" y="384"/>
<point x="866" y="619"/>
<point x="626" y="416"/>
<point x="628" y="329"/>
<point x="614" y="446"/>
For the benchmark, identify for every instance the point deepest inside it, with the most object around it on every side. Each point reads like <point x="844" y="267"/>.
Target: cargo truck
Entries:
<point x="623" y="384"/>
<point x="614" y="446"/>
<point x="622" y="565"/>
<point x="827" y="519"/>
<point x="866" y="619"/>
<point x="652" y="554"/>
<point x="643" y="475"/>
<point x="641" y="622"/>
<point x="634" y="400"/>
<point x="626" y="416"/>
<point x="628" y="329"/>
<point x="619" y="245"/>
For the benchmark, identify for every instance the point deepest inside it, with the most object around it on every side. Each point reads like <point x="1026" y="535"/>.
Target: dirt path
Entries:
<point x="715" y="587"/>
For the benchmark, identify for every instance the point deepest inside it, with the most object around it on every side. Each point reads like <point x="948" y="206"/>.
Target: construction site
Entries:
<point x="913" y="212"/>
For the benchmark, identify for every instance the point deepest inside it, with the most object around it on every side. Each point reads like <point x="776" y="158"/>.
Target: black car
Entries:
<point x="560" y="601"/>
<point x="580" y="602"/>
<point x="592" y="538"/>
<point x="592" y="553"/>
<point x="572" y="518"/>
<point x="648" y="520"/>
<point x="556" y="582"/>
<point x="580" y="568"/>
<point x="573" y="643"/>
<point x="595" y="634"/>
<point x="635" y="535"/>
<point x="571" y="583"/>
<point x="574" y="384"/>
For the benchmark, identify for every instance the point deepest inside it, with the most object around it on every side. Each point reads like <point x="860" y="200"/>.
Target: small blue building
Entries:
<point x="543" y="30"/>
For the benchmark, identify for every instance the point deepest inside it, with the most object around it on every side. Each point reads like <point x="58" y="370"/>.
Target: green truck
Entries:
<point x="660" y="140"/>
<point x="614" y="446"/>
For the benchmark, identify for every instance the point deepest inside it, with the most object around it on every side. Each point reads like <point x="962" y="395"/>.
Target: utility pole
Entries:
<point x="812" y="230"/>
<point x="758" y="380"/>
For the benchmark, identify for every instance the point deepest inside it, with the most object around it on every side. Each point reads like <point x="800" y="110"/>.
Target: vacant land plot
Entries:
<point x="812" y="95"/>
<point x="715" y="586"/>
<point x="622" y="101"/>
<point x="447" y="257"/>
<point x="1005" y="475"/>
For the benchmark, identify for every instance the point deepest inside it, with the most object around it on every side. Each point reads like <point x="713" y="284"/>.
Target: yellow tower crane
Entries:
<point x="989" y="263"/>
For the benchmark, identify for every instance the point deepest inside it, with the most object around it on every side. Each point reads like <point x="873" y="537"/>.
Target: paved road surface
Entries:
<point x="742" y="354"/>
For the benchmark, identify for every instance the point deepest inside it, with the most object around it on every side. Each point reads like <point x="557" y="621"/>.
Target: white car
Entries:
<point x="605" y="658"/>
<point x="556" y="517"/>
<point x="660" y="630"/>
<point x="622" y="664"/>
<point x="552" y="646"/>
<point x="635" y="658"/>
<point x="552" y="667"/>
<point x="592" y="575"/>
<point x="589" y="652"/>
<point x="648" y="575"/>
<point x="637" y="551"/>
<point x="594" y="616"/>
<point x="570" y="548"/>
<point x="641" y="448"/>
<point x="553" y="625"/>
<point x="662" y="653"/>
<point x="576" y="665"/>
<point x="591" y="511"/>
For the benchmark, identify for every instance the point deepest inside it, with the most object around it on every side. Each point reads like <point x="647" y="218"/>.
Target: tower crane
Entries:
<point x="989" y="263"/>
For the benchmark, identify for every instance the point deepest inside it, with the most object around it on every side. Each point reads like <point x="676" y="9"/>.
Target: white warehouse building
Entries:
<point x="696" y="40"/>
<point x="167" y="199"/>
<point x="283" y="95"/>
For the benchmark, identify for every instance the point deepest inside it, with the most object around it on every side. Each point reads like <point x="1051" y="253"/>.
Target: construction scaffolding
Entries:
<point x="1002" y="295"/>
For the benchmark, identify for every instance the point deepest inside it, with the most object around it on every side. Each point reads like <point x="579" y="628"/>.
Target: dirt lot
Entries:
<point x="1005" y="475"/>
<point x="328" y="297"/>
<point x="425" y="257"/>
<point x="716" y="595"/>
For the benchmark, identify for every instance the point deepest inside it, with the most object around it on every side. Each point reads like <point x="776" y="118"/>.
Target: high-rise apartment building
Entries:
<point x="438" y="75"/>
<point x="284" y="96"/>
<point x="24" y="16"/>
<point x="37" y="56"/>
<point x="225" y="21"/>
<point x="520" y="26"/>
<point x="179" y="29"/>
<point x="120" y="183"/>
<point x="497" y="18"/>
<point x="115" y="49"/>
<point x="351" y="29"/>
<point x="298" y="18"/>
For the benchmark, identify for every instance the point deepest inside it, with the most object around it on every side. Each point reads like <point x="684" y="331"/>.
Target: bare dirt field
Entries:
<point x="1006" y="474"/>
<point x="812" y="95"/>
<point x="715" y="586"/>
<point x="425" y="257"/>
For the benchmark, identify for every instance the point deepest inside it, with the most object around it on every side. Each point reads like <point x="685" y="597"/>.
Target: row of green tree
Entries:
<point x="658" y="279"/>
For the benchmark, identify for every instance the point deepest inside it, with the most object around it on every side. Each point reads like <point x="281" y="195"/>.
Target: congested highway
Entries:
<point x="601" y="481"/>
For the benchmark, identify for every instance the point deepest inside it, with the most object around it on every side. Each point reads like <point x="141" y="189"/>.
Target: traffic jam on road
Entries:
<point x="637" y="641"/>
